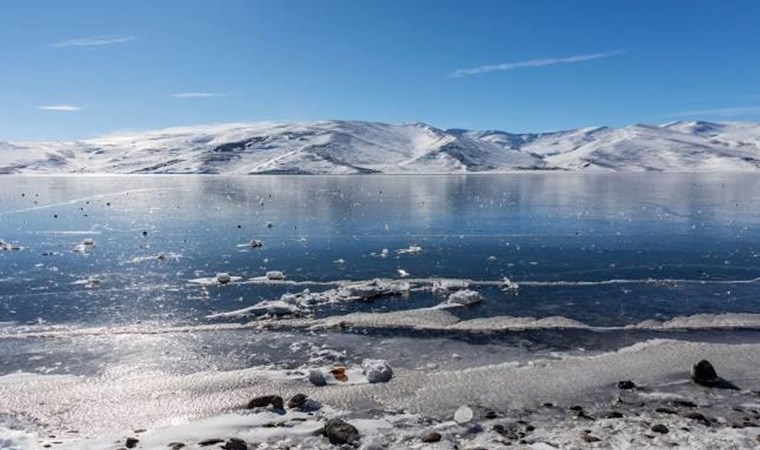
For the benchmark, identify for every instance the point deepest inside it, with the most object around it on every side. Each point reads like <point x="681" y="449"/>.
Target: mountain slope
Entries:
<point x="353" y="147"/>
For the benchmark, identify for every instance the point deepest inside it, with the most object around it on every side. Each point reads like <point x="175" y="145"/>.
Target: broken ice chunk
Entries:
<point x="412" y="250"/>
<point x="443" y="286"/>
<point x="275" y="275"/>
<point x="509" y="286"/>
<point x="465" y="298"/>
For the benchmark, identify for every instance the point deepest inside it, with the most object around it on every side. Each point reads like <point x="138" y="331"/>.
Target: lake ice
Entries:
<point x="157" y="278"/>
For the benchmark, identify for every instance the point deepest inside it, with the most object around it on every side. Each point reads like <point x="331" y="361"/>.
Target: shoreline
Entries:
<point x="416" y="401"/>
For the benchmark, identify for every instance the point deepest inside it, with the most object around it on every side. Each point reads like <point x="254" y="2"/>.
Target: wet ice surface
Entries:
<point x="676" y="239"/>
<point x="116" y="278"/>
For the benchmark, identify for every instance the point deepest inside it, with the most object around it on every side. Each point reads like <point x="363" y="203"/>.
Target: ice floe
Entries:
<point x="464" y="297"/>
<point x="8" y="246"/>
<point x="301" y="303"/>
<point x="411" y="250"/>
<point x="221" y="278"/>
<point x="85" y="246"/>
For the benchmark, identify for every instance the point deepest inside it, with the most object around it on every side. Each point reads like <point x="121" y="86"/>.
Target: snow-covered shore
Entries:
<point x="572" y="401"/>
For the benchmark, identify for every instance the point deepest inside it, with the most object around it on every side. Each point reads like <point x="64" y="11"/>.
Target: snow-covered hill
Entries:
<point x="352" y="147"/>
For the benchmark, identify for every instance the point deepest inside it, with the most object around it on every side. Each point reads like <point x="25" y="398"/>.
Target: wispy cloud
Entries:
<point x="63" y="108"/>
<point x="540" y="62"/>
<point x="732" y="111"/>
<point x="198" y="94"/>
<point x="94" y="41"/>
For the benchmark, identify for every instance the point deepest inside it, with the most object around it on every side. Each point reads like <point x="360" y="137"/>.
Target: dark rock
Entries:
<point x="626" y="384"/>
<point x="235" y="444"/>
<point x="211" y="441"/>
<point x="176" y="445"/>
<point x="507" y="432"/>
<point x="659" y="428"/>
<point x="665" y="411"/>
<point x="612" y="415"/>
<point x="339" y="432"/>
<point x="297" y="401"/>
<point x="131" y="442"/>
<point x="431" y="436"/>
<point x="703" y="373"/>
<point x="491" y="415"/>
<point x="684" y="403"/>
<point x="548" y="405"/>
<point x="266" y="400"/>
<point x="590" y="438"/>
<point x="576" y="408"/>
<point x="693" y="415"/>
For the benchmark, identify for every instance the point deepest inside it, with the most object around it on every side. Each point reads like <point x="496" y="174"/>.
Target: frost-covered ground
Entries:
<point x="565" y="401"/>
<point x="353" y="147"/>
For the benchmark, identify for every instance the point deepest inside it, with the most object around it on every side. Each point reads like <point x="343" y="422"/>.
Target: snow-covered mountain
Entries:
<point x="353" y="147"/>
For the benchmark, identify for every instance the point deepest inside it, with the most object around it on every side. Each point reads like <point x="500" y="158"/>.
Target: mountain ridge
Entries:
<point x="360" y="147"/>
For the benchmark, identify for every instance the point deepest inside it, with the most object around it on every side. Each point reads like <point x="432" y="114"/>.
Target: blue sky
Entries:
<point x="79" y="68"/>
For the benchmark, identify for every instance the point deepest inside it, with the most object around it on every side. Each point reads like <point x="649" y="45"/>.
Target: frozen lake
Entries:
<point x="114" y="279"/>
<point x="607" y="250"/>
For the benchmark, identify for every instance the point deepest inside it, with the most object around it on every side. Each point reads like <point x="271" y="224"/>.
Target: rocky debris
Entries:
<point x="660" y="428"/>
<point x="255" y="243"/>
<point x="703" y="373"/>
<point x="431" y="436"/>
<point x="175" y="445"/>
<point x="339" y="373"/>
<point x="626" y="384"/>
<point x="698" y="417"/>
<point x="684" y="403"/>
<point x="317" y="377"/>
<point x="663" y="410"/>
<point x="377" y="370"/>
<point x="235" y="444"/>
<point x="208" y="442"/>
<point x="297" y="401"/>
<point x="580" y="413"/>
<point x="463" y="415"/>
<point x="612" y="415"/>
<point x="266" y="400"/>
<point x="131" y="442"/>
<point x="223" y="278"/>
<point x="590" y="438"/>
<point x="339" y="432"/>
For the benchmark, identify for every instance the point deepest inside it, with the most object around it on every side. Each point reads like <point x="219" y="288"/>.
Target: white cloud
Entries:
<point x="198" y="94"/>
<point x="541" y="62"/>
<point x="94" y="41"/>
<point x="732" y="111"/>
<point x="65" y="108"/>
